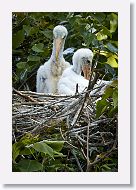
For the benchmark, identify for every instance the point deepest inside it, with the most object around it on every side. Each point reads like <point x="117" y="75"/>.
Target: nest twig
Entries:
<point x="34" y="113"/>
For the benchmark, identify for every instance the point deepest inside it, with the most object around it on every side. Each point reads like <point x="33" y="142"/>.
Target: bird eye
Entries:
<point x="88" y="61"/>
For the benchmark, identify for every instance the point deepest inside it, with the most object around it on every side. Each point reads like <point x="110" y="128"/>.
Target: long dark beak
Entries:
<point x="86" y="70"/>
<point x="58" y="43"/>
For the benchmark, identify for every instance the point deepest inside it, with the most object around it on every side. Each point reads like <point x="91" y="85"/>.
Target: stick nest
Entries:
<point x="36" y="112"/>
<point x="73" y="117"/>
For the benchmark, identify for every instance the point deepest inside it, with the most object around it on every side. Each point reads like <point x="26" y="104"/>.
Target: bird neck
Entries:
<point x="77" y="67"/>
<point x="53" y="56"/>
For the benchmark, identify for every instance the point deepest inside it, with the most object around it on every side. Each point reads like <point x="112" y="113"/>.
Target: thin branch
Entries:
<point x="66" y="140"/>
<point x="24" y="96"/>
<point x="87" y="143"/>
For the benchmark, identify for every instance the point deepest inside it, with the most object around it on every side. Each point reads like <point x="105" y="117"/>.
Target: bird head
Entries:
<point x="82" y="61"/>
<point x="59" y="33"/>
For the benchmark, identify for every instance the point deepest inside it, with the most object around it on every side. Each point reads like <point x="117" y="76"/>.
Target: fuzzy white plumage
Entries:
<point x="82" y="61"/>
<point x="49" y="73"/>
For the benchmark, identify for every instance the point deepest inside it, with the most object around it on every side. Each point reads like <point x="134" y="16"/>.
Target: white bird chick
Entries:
<point x="82" y="61"/>
<point x="49" y="73"/>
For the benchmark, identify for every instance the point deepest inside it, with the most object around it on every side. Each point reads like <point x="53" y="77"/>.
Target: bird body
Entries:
<point x="82" y="61"/>
<point x="69" y="80"/>
<point x="48" y="76"/>
<point x="49" y="73"/>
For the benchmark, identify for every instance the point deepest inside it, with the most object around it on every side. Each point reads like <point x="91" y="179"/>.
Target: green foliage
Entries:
<point x="18" y="38"/>
<point x="43" y="147"/>
<point x="56" y="145"/>
<point x="38" y="47"/>
<point x="109" y="165"/>
<point x="109" y="101"/>
<point x="36" y="154"/>
<point x="19" y="147"/>
<point x="26" y="165"/>
<point x="32" y="40"/>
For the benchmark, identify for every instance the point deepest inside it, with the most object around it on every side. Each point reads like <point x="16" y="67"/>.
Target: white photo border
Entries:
<point x="123" y="174"/>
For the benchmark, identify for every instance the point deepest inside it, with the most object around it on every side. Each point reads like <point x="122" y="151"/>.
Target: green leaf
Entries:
<point x="38" y="47"/>
<point x="27" y="151"/>
<point x="101" y="36"/>
<point x="99" y="16"/>
<point x="47" y="33"/>
<point x="113" y="22"/>
<point x="101" y="107"/>
<point x="112" y="62"/>
<point x="27" y="29"/>
<point x="106" y="31"/>
<point x="19" y="148"/>
<point x="28" y="139"/>
<point x="31" y="68"/>
<point x="21" y="65"/>
<point x="55" y="145"/>
<point x="56" y="167"/>
<point x="30" y="30"/>
<point x="33" y="58"/>
<point x="106" y="167"/>
<point x="114" y="83"/>
<point x="15" y="167"/>
<point x="108" y="93"/>
<point x="115" y="98"/>
<point x="18" y="38"/>
<point x="89" y="38"/>
<point x="111" y="47"/>
<point x="58" y="154"/>
<point x="113" y="111"/>
<point x="43" y="147"/>
<point x="29" y="165"/>
<point x="15" y="150"/>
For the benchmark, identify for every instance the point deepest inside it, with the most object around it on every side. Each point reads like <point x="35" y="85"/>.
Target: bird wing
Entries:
<point x="41" y="80"/>
<point x="63" y="89"/>
<point x="69" y="80"/>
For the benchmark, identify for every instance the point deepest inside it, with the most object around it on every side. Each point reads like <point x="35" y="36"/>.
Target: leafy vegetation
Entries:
<point x="32" y="41"/>
<point x="32" y="46"/>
